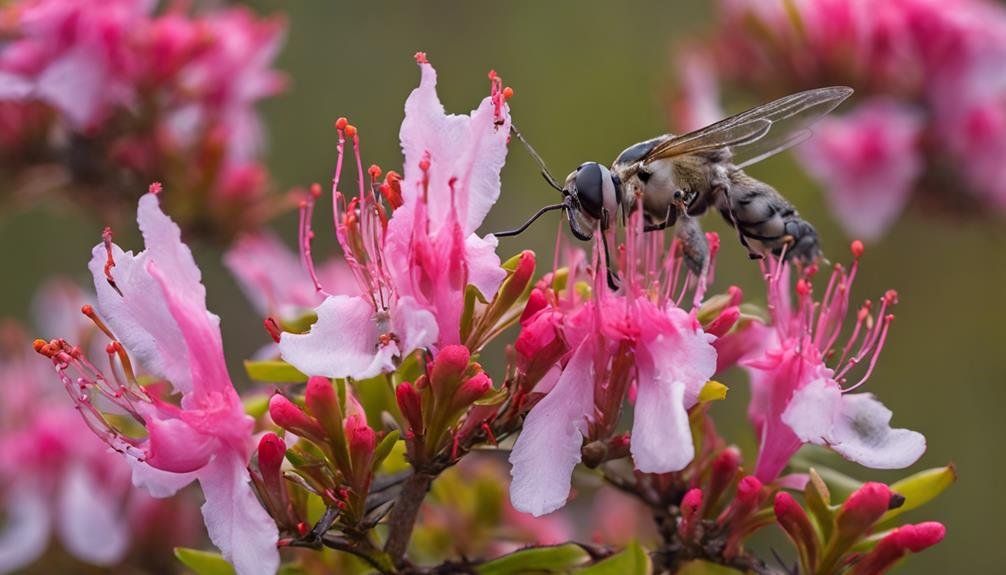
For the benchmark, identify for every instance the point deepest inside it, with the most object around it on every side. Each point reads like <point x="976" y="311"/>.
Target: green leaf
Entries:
<point x="630" y="561"/>
<point x="203" y="562"/>
<point x="256" y="405"/>
<point x="274" y="371"/>
<point x="556" y="559"/>
<point x="384" y="448"/>
<point x="921" y="488"/>
<point x="819" y="503"/>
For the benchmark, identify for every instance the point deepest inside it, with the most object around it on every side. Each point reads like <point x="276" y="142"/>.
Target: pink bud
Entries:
<point x="723" y="322"/>
<point x="897" y="544"/>
<point x="517" y="283"/>
<point x="750" y="496"/>
<point x="723" y="471"/>
<point x="271" y="451"/>
<point x="448" y="368"/>
<point x="290" y="417"/>
<point x="536" y="302"/>
<point x="322" y="402"/>
<point x="794" y="521"/>
<point x="864" y="508"/>
<point x="472" y="390"/>
<point x="362" y="441"/>
<point x="410" y="404"/>
<point x="691" y="513"/>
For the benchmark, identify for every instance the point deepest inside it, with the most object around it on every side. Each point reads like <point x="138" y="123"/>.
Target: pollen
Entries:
<point x="421" y="58"/>
<point x="375" y="172"/>
<point x="350" y="131"/>
<point x="155" y="188"/>
<point x="341" y="123"/>
<point x="507" y="93"/>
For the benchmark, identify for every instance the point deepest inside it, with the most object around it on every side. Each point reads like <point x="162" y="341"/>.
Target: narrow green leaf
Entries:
<point x="256" y="405"/>
<point x="921" y="488"/>
<point x="630" y="561"/>
<point x="384" y="448"/>
<point x="274" y="371"/>
<point x="819" y="504"/>
<point x="556" y="559"/>
<point x="839" y="484"/>
<point x="203" y="562"/>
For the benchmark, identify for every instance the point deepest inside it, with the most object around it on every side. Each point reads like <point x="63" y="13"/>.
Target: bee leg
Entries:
<point x="613" y="280"/>
<point x="695" y="247"/>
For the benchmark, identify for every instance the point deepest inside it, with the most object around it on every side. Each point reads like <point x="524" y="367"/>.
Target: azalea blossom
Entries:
<point x="414" y="266"/>
<point x="798" y="398"/>
<point x="153" y="305"/>
<point x="637" y="342"/>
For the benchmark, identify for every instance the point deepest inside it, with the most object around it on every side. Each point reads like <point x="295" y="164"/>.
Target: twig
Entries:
<point x="403" y="516"/>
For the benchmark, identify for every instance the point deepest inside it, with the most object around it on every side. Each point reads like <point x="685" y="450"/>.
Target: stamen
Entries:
<point x="88" y="311"/>
<point x="272" y="328"/>
<point x="307" y="234"/>
<point x="155" y="188"/>
<point x="106" y="237"/>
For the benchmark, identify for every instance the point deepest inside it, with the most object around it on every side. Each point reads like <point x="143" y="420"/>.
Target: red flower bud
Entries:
<point x="897" y="544"/>
<point x="449" y="368"/>
<point x="515" y="285"/>
<point x="472" y="390"/>
<point x="271" y="452"/>
<point x="362" y="441"/>
<point x="691" y="513"/>
<point x="864" y="508"/>
<point x="410" y="404"/>
<point x="536" y="301"/>
<point x="292" y="418"/>
<point x="794" y="521"/>
<point x="322" y="402"/>
<point x="723" y="322"/>
<point x="724" y="470"/>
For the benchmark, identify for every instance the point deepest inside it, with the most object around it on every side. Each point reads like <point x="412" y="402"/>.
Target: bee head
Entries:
<point x="592" y="194"/>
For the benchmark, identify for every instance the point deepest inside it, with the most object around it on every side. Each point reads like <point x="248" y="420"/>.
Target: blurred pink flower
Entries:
<point x="798" y="399"/>
<point x="414" y="267"/>
<point x="154" y="304"/>
<point x="56" y="477"/>
<point x="870" y="157"/>
<point x="637" y="342"/>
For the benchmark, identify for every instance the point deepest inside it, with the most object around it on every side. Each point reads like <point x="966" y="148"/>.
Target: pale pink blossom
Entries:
<point x="868" y="162"/>
<point x="635" y="342"/>
<point x="413" y="268"/>
<point x="797" y="398"/>
<point x="154" y="304"/>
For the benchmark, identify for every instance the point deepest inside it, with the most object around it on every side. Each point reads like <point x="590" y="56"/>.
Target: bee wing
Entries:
<point x="760" y="132"/>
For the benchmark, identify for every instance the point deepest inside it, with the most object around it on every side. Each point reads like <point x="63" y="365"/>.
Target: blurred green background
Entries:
<point x="591" y="78"/>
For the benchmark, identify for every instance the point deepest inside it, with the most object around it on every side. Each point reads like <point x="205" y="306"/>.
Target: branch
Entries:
<point x="404" y="513"/>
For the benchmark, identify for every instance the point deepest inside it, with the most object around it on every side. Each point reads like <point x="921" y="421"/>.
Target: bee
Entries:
<point x="675" y="179"/>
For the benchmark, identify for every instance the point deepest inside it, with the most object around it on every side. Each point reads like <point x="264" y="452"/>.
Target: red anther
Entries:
<point x="273" y="328"/>
<point x="421" y="58"/>
<point x="890" y="297"/>
<point x="375" y="172"/>
<point x="492" y="75"/>
<point x="812" y="270"/>
<point x="889" y="318"/>
<point x="302" y="529"/>
<point x="857" y="249"/>
<point x="489" y="433"/>
<point x="110" y="348"/>
<point x="507" y="93"/>
<point x="155" y="188"/>
<point x="106" y="237"/>
<point x="42" y="348"/>
<point x="341" y="123"/>
<point x="424" y="164"/>
<point x="316" y="190"/>
<point x="803" y="287"/>
<point x="87" y="310"/>
<point x="350" y="131"/>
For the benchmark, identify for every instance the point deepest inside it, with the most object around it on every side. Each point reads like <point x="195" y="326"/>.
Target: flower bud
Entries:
<point x="897" y="544"/>
<point x="691" y="513"/>
<point x="864" y="508"/>
<point x="323" y="403"/>
<point x="362" y="441"/>
<point x="410" y="404"/>
<point x="292" y="418"/>
<point x="515" y="285"/>
<point x="271" y="452"/>
<point x="448" y="369"/>
<point x="472" y="389"/>
<point x="724" y="321"/>
<point x="536" y="302"/>
<point x="723" y="473"/>
<point x="794" y="521"/>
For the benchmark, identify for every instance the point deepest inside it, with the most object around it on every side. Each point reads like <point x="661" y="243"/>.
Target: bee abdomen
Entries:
<point x="767" y="221"/>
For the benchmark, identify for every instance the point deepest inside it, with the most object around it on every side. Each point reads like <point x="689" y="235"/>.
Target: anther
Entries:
<point x="273" y="328"/>
<point x="857" y="249"/>
<point x="507" y="93"/>
<point x="316" y="190"/>
<point x="341" y="123"/>
<point x="155" y="188"/>
<point x="350" y="131"/>
<point x="375" y="173"/>
<point x="421" y="58"/>
<point x="106" y="237"/>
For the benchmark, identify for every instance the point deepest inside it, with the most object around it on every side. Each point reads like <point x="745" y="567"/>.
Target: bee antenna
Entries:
<point x="545" y="173"/>
<point x="538" y="214"/>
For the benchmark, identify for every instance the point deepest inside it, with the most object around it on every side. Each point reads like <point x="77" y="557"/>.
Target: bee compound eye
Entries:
<point x="589" y="188"/>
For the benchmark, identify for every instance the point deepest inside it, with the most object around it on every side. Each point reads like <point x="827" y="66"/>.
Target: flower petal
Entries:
<point x="75" y="84"/>
<point x="812" y="410"/>
<point x="89" y="525"/>
<point x="158" y="483"/>
<point x="28" y="522"/>
<point x="661" y="437"/>
<point x="862" y="433"/>
<point x="484" y="271"/>
<point x="415" y="325"/>
<point x="14" y="87"/>
<point x="237" y="524"/>
<point x="548" y="447"/>
<point x="342" y="343"/>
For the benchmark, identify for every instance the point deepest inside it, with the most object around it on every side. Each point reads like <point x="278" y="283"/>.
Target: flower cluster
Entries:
<point x="110" y="94"/>
<point x="930" y="110"/>
<point x="380" y="390"/>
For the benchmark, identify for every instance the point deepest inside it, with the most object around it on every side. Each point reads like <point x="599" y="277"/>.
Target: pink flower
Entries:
<point x="154" y="304"/>
<point x="698" y="102"/>
<point x="71" y="55"/>
<point x="797" y="398"/>
<point x="636" y="339"/>
<point x="868" y="162"/>
<point x="276" y="282"/>
<point x="414" y="267"/>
